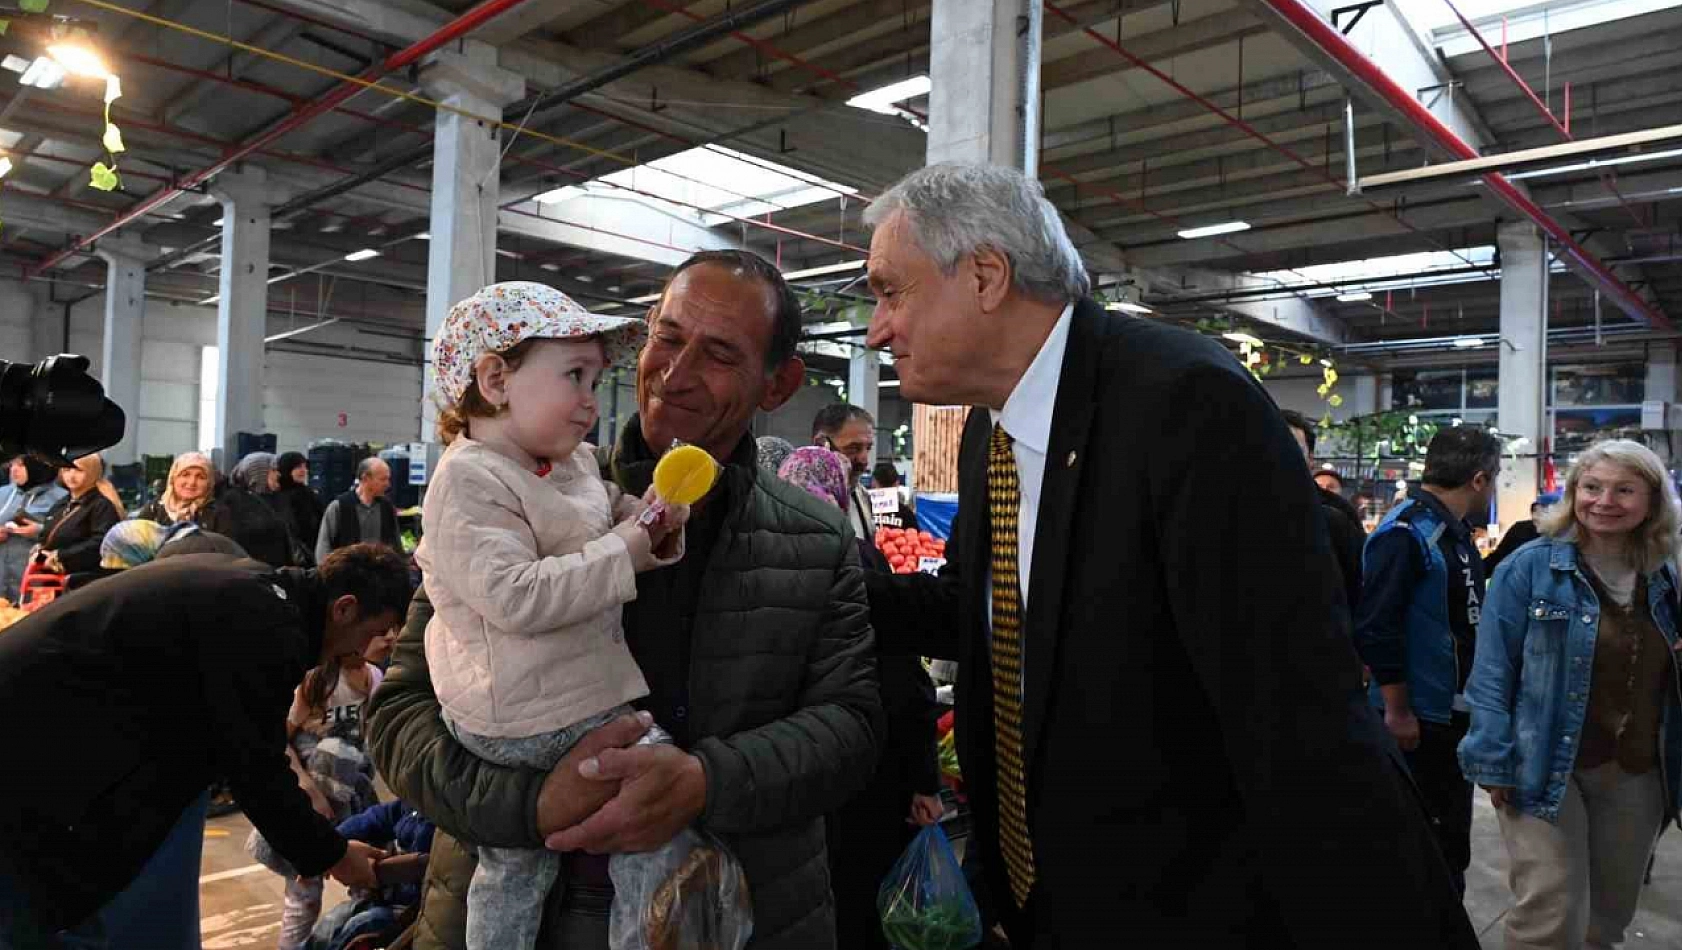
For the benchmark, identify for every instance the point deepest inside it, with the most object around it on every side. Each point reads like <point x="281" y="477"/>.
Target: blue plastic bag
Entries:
<point x="924" y="902"/>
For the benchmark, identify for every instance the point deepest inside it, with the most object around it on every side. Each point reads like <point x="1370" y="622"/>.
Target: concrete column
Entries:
<point x="465" y="186"/>
<point x="1661" y="387"/>
<point x="984" y="64"/>
<point x="864" y="389"/>
<point x="1521" y="411"/>
<point x="19" y="306"/>
<point x="242" y="309"/>
<point x="119" y="357"/>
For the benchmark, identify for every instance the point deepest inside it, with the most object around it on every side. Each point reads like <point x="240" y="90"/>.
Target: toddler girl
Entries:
<point x="528" y="558"/>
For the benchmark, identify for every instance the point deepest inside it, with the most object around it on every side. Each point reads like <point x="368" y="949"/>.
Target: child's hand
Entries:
<point x="628" y="508"/>
<point x="638" y="544"/>
<point x="667" y="533"/>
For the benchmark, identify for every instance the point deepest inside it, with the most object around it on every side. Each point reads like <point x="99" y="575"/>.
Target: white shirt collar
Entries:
<point x="1027" y="413"/>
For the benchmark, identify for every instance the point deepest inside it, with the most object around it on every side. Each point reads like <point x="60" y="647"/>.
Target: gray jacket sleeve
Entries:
<point x="810" y="762"/>
<point x="329" y="527"/>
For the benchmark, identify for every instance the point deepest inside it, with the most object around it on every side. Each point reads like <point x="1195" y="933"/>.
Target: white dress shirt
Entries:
<point x="1027" y="418"/>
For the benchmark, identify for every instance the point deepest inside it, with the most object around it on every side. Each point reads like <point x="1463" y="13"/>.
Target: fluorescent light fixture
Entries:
<point x="1354" y="296"/>
<point x="222" y="221"/>
<point x="842" y="267"/>
<point x="14" y="63"/>
<point x="1127" y="307"/>
<point x="558" y="195"/>
<point x="211" y="299"/>
<point x="889" y="384"/>
<point x="5" y="166"/>
<point x="883" y="100"/>
<point x="424" y="236"/>
<point x="362" y="255"/>
<point x="505" y="252"/>
<point x="44" y="73"/>
<point x="1597" y="163"/>
<point x="1468" y="342"/>
<point x="1210" y="230"/>
<point x="646" y="298"/>
<point x="549" y="267"/>
<point x="79" y="59"/>
<point x="1243" y="338"/>
<point x="332" y="227"/>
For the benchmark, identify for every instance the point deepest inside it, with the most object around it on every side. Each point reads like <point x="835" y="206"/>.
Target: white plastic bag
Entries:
<point x="690" y="894"/>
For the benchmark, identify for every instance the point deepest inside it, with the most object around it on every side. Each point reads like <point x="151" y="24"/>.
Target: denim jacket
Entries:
<point x="1529" y="690"/>
<point x="1426" y="654"/>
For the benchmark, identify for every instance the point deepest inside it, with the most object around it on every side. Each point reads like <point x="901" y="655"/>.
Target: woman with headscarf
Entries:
<point x="256" y="474"/>
<point x="773" y="451"/>
<point x="191" y="477"/>
<point x="298" y="504"/>
<point x="25" y="503"/>
<point x="222" y="506"/>
<point x="71" y="537"/>
<point x="867" y="834"/>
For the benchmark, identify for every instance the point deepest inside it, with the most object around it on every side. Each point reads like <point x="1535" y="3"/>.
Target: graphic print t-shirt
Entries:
<point x="342" y="717"/>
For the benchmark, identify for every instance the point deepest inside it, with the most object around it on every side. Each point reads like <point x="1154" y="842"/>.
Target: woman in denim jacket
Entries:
<point x="1577" y="701"/>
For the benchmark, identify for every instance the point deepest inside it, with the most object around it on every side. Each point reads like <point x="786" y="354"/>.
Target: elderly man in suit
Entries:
<point x="1160" y="721"/>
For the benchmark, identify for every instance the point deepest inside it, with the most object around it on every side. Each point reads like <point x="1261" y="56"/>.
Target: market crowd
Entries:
<point x="1195" y="701"/>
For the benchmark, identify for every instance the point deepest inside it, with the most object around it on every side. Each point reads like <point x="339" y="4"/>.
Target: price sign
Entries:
<point x="884" y="501"/>
<point x="930" y="565"/>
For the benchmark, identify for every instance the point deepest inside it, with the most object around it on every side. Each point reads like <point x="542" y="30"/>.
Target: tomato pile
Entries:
<point x="903" y="546"/>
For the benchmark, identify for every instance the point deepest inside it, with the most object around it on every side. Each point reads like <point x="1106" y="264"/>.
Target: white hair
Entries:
<point x="955" y="210"/>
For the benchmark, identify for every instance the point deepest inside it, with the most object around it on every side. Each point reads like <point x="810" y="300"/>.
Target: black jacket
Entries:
<point x="126" y="699"/>
<point x="301" y="508"/>
<point x="76" y="527"/>
<point x="1348" y="538"/>
<point x="236" y="513"/>
<point x="1202" y="767"/>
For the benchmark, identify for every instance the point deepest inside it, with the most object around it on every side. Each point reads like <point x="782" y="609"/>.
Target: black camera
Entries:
<point x="55" y="411"/>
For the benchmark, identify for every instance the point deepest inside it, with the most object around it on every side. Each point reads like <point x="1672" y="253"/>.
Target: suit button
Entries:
<point x="682" y="713"/>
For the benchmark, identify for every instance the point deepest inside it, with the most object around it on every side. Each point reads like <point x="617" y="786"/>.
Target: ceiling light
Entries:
<point x="1243" y="338"/>
<point x="1127" y="307"/>
<point x="424" y="236"/>
<point x="882" y="100"/>
<point x="44" y="73"/>
<point x="1468" y="342"/>
<point x="362" y="255"/>
<point x="79" y="59"/>
<point x="15" y="63"/>
<point x="1210" y="230"/>
<point x="826" y="269"/>
<point x="222" y="221"/>
<point x="504" y="252"/>
<point x="889" y="384"/>
<point x="559" y="195"/>
<point x="550" y="267"/>
<point x="1596" y="163"/>
<point x="5" y="166"/>
<point x="332" y="227"/>
<point x="1355" y="296"/>
<point x="646" y="298"/>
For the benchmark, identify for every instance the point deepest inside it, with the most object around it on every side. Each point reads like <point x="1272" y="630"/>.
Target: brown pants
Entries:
<point x="1576" y="884"/>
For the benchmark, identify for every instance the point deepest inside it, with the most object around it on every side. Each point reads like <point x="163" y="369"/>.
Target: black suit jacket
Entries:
<point x="1203" y="770"/>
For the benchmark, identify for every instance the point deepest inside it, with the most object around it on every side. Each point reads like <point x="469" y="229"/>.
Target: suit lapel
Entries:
<point x="972" y="533"/>
<point x="1066" y="455"/>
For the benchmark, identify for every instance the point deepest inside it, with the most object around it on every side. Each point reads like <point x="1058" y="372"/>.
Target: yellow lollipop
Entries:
<point x="685" y="475"/>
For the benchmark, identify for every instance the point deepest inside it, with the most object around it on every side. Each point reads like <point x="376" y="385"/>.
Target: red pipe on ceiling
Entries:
<point x="1606" y="177"/>
<point x="298" y="117"/>
<point x="1317" y="31"/>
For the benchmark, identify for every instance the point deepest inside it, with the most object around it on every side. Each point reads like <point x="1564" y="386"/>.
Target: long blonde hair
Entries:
<point x="1654" y="543"/>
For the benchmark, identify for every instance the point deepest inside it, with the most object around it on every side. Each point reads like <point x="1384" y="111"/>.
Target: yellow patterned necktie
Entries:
<point x="1004" y="501"/>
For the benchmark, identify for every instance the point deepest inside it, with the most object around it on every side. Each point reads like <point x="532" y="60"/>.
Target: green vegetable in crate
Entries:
<point x="924" y="902"/>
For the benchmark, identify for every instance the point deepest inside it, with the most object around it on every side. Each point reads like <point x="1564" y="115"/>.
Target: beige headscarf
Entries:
<point x="177" y="509"/>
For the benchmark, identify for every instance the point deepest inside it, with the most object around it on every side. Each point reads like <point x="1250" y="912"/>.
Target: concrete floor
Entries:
<point x="241" y="901"/>
<point x="1657" y="926"/>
